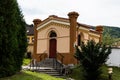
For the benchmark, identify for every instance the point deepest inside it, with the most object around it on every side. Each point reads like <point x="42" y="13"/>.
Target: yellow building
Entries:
<point x="30" y="38"/>
<point x="55" y="37"/>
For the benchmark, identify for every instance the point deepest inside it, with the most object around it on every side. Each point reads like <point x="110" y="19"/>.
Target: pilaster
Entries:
<point x="36" y="22"/>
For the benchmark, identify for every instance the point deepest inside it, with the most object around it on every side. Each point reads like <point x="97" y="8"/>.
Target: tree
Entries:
<point x="92" y="56"/>
<point x="13" y="40"/>
<point x="107" y="38"/>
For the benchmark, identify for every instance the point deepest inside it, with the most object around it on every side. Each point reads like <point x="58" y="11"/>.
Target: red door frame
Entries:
<point x="52" y="48"/>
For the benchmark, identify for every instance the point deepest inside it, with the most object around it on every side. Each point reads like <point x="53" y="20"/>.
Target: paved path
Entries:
<point x="28" y="67"/>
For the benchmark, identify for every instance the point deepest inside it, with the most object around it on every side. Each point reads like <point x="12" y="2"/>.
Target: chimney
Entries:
<point x="36" y="22"/>
<point x="100" y="30"/>
<point x="73" y="23"/>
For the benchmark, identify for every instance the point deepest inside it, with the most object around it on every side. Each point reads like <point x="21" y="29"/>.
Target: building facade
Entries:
<point x="56" y="37"/>
<point x="30" y="38"/>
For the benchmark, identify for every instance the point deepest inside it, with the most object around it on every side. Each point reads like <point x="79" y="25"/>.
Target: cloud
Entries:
<point x="93" y="12"/>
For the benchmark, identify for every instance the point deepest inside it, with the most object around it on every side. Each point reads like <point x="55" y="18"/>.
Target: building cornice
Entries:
<point x="93" y="34"/>
<point x="63" y="22"/>
<point x="52" y="21"/>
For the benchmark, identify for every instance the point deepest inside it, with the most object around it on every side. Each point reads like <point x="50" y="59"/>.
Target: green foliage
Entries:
<point x="113" y="31"/>
<point x="111" y="35"/>
<point x="22" y="40"/>
<point x="107" y="39"/>
<point x="12" y="38"/>
<point x="92" y="56"/>
<point x="77" y="73"/>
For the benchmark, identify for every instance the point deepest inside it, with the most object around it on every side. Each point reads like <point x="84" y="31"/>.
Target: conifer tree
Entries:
<point x="12" y="38"/>
<point x="92" y="56"/>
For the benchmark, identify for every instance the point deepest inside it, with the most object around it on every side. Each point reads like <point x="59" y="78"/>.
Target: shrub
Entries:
<point x="92" y="56"/>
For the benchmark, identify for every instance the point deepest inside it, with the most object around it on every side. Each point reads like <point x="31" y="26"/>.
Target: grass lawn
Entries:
<point x="28" y="75"/>
<point x="116" y="73"/>
<point x="76" y="74"/>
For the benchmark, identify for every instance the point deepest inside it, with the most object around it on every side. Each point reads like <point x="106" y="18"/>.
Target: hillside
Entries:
<point x="113" y="31"/>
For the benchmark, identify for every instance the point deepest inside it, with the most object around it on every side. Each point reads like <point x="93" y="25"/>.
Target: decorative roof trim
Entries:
<point x="55" y="21"/>
<point x="83" y="28"/>
<point x="93" y="34"/>
<point x="84" y="25"/>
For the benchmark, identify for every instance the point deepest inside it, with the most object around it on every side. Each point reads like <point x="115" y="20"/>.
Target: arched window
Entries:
<point x="53" y="34"/>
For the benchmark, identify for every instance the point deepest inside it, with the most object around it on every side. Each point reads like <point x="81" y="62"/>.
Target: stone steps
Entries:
<point x="51" y="72"/>
<point x="49" y="62"/>
<point x="49" y="66"/>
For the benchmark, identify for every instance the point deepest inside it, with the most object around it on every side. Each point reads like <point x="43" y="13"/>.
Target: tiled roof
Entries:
<point x="29" y="29"/>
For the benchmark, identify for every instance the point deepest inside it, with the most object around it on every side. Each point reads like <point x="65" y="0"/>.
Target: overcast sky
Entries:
<point x="92" y="12"/>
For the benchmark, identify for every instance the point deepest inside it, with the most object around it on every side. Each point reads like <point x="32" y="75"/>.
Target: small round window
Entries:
<point x="53" y="34"/>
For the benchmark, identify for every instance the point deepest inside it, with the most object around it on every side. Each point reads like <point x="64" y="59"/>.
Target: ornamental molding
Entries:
<point x="54" y="22"/>
<point x="93" y="34"/>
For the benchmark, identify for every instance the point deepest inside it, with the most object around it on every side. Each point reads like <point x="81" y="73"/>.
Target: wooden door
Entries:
<point x="52" y="48"/>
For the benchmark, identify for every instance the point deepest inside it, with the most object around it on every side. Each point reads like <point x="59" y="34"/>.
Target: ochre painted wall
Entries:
<point x="62" y="39"/>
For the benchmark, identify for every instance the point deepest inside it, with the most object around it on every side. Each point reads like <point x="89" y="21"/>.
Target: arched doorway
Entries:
<point x="52" y="45"/>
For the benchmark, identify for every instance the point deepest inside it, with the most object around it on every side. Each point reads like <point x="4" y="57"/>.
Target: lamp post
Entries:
<point x="110" y="71"/>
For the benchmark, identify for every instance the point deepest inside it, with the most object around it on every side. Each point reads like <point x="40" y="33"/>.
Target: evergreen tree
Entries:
<point x="22" y="40"/>
<point x="92" y="56"/>
<point x="12" y="38"/>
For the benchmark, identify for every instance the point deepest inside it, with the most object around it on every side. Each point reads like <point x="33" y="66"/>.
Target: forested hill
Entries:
<point x="113" y="31"/>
